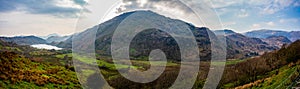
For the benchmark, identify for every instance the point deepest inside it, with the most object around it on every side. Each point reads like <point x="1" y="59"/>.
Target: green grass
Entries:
<point x="280" y="81"/>
<point x="230" y="62"/>
<point x="63" y="55"/>
<point x="101" y="63"/>
<point x="155" y="63"/>
<point x="112" y="66"/>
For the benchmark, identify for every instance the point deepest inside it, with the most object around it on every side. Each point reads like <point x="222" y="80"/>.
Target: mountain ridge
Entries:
<point x="24" y="40"/>
<point x="264" y="33"/>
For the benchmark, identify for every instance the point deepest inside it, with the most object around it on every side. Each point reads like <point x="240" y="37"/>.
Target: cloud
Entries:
<point x="255" y="26"/>
<point x="243" y="13"/>
<point x="229" y="23"/>
<point x="264" y="7"/>
<point x="297" y="3"/>
<point x="20" y="23"/>
<point x="291" y="20"/>
<point x="277" y="5"/>
<point x="201" y="14"/>
<point x="225" y="3"/>
<point x="154" y="4"/>
<point x="263" y="25"/>
<point x="270" y="23"/>
<point x="59" y="8"/>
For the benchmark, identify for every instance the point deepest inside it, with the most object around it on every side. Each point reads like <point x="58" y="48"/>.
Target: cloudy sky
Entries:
<point x="42" y="17"/>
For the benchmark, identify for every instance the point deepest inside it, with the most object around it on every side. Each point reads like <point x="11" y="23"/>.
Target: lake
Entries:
<point x="45" y="46"/>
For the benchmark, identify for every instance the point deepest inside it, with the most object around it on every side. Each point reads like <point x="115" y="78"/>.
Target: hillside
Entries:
<point x="277" y="41"/>
<point x="244" y="46"/>
<point x="275" y="69"/>
<point x="16" y="71"/>
<point x="22" y="66"/>
<point x="241" y="46"/>
<point x="46" y="67"/>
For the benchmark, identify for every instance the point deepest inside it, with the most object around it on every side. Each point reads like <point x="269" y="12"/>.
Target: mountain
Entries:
<point x="226" y="32"/>
<point x="239" y="46"/>
<point x="294" y="35"/>
<point x="147" y="40"/>
<point x="56" y="39"/>
<point x="277" y="41"/>
<point x="264" y="33"/>
<point x="24" y="40"/>
<point x="50" y="35"/>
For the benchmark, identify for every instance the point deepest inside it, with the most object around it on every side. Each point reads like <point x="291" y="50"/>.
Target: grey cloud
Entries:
<point x="152" y="4"/>
<point x="201" y="14"/>
<point x="41" y="7"/>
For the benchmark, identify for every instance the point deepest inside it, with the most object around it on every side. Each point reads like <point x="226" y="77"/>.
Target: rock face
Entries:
<point x="239" y="46"/>
<point x="24" y="40"/>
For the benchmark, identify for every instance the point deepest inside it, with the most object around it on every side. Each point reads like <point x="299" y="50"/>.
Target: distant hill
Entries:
<point x="294" y="35"/>
<point x="56" y="39"/>
<point x="242" y="46"/>
<point x="24" y="40"/>
<point x="50" y="35"/>
<point x="264" y="33"/>
<point x="278" y="41"/>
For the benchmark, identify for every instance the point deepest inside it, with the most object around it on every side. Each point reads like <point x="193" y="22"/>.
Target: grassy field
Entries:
<point x="101" y="63"/>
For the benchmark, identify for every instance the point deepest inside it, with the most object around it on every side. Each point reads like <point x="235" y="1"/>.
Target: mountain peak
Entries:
<point x="140" y="11"/>
<point x="50" y="35"/>
<point x="225" y="31"/>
